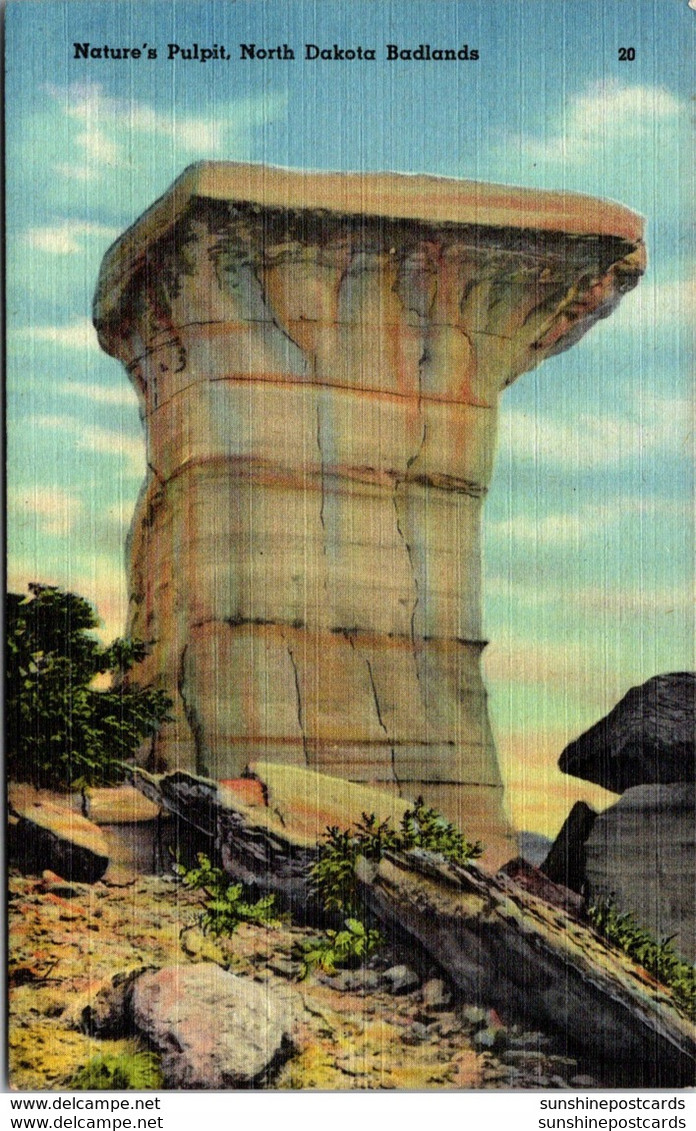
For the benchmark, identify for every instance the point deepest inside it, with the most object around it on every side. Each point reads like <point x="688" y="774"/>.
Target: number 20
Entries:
<point x="627" y="53"/>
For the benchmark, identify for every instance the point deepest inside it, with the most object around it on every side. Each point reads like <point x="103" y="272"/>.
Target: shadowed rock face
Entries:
<point x="641" y="854"/>
<point x="648" y="738"/>
<point x="319" y="360"/>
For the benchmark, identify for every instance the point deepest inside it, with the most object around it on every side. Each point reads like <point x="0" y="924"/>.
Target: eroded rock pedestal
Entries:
<point x="319" y="360"/>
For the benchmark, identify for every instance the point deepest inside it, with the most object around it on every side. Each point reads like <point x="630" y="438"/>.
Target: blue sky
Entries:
<point x="589" y="523"/>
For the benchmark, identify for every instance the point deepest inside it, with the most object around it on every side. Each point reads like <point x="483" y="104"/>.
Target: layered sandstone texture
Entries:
<point x="319" y="359"/>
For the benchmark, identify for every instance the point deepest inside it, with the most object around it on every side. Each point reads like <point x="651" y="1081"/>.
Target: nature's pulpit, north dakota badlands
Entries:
<point x="319" y="359"/>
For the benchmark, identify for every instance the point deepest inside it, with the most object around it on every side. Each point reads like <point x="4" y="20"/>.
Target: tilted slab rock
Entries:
<point x="319" y="360"/>
<point x="509" y="950"/>
<point x="271" y="844"/>
<point x="498" y="943"/>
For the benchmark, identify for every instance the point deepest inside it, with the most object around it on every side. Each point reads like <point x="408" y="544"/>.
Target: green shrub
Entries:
<point x="62" y="732"/>
<point x="428" y="829"/>
<point x="658" y="957"/>
<point x="225" y="904"/>
<point x="349" y="947"/>
<point x="332" y="876"/>
<point x="129" y="1071"/>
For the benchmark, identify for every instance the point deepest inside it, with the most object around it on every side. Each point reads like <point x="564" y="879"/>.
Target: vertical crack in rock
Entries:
<point x="300" y="713"/>
<point x="395" y="500"/>
<point x="381" y="720"/>
<point x="192" y="719"/>
<point x="321" y="476"/>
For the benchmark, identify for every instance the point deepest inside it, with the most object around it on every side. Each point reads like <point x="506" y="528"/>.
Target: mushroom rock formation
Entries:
<point x="319" y="359"/>
<point x="641" y="852"/>
<point x="649" y="737"/>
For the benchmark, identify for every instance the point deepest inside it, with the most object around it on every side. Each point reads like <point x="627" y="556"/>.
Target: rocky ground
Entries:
<point x="391" y="1025"/>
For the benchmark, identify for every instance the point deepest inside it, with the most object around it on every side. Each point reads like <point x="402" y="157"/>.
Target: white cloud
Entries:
<point x="124" y="395"/>
<point x="52" y="509"/>
<point x="577" y="526"/>
<point x="92" y="438"/>
<point x="668" y="303"/>
<point x="607" y="111"/>
<point x="69" y="237"/>
<point x="106" y="120"/>
<point x="78" y="334"/>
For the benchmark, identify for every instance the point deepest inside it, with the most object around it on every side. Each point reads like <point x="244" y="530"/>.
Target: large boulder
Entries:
<point x="648" y="738"/>
<point x="641" y="853"/>
<point x="211" y="1028"/>
<point x="45" y="835"/>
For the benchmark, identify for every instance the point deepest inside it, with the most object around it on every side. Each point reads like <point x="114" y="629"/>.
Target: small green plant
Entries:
<point x="349" y="947"/>
<point x="128" y="1071"/>
<point x="225" y="904"/>
<point x="428" y="829"/>
<point x="333" y="874"/>
<point x="658" y="957"/>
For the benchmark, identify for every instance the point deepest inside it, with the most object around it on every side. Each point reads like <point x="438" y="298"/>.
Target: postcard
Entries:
<point x="350" y="639"/>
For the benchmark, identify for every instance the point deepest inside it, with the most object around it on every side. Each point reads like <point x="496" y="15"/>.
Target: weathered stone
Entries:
<point x="642" y="854"/>
<point x="539" y="967"/>
<point x="565" y="863"/>
<point x="648" y="738"/>
<point x="474" y="1016"/>
<point x="211" y="1028"/>
<point x="270" y="845"/>
<point x="109" y="1012"/>
<point x="401" y="979"/>
<point x="490" y="1039"/>
<point x="537" y="883"/>
<point x="48" y="836"/>
<point x="435" y="995"/>
<point x="319" y="360"/>
<point x="362" y="979"/>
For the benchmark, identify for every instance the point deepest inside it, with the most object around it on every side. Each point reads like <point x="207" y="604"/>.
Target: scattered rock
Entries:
<point x="534" y="1041"/>
<point x="583" y="1082"/>
<point x="435" y="995"/>
<point x="48" y="836"/>
<point x="352" y="980"/>
<point x="212" y="1029"/>
<point x="401" y="979"/>
<point x="285" y="967"/>
<point x="523" y="1058"/>
<point x="108" y="1013"/>
<point x="474" y="1016"/>
<point x="492" y="1038"/>
<point x="416" y="1033"/>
